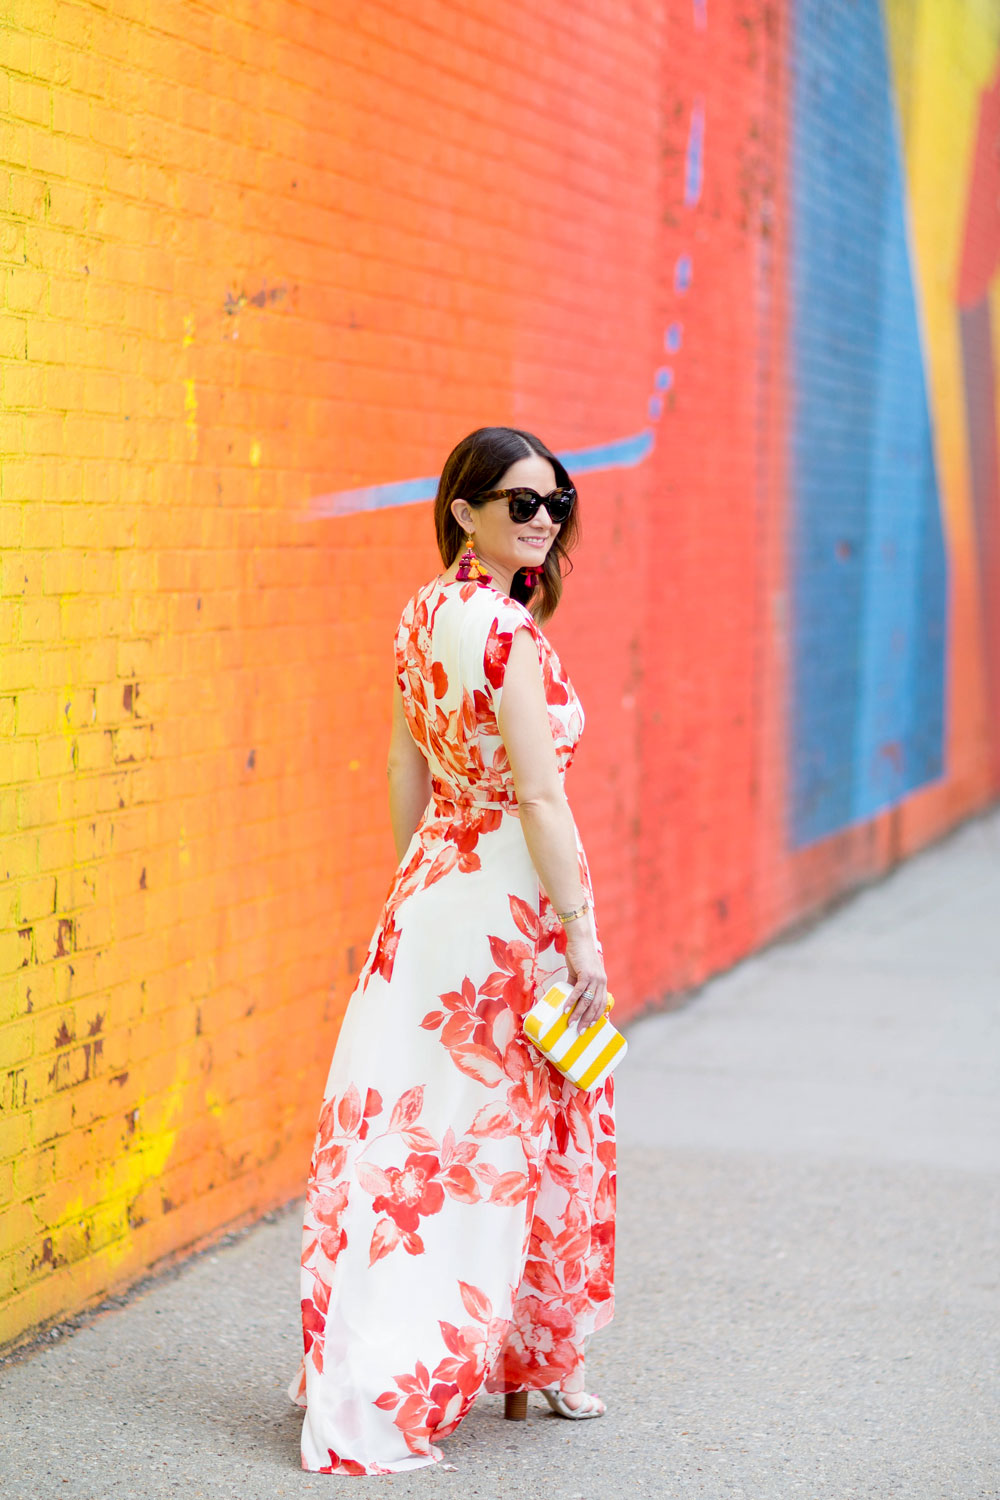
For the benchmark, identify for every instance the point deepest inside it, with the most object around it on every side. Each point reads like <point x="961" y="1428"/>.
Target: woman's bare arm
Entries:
<point x="409" y="778"/>
<point x="549" y="831"/>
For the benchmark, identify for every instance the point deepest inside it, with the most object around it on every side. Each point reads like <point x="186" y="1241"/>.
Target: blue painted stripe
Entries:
<point x="624" y="453"/>
<point x="694" y="160"/>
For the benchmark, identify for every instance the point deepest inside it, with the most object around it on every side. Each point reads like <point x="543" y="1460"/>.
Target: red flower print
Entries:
<point x="432" y="1404"/>
<point x="413" y="1192"/>
<point x="465" y="832"/>
<point x="327" y="1208"/>
<point x="498" y="644"/>
<point x="339" y="1465"/>
<point x="541" y="1341"/>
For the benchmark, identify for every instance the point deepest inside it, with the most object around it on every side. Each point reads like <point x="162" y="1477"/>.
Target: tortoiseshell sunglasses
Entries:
<point x="523" y="503"/>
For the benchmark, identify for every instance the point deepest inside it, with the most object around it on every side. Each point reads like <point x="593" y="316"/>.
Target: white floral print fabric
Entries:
<point x="458" y="1233"/>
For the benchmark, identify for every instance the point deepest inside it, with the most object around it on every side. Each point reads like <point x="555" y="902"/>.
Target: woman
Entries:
<point x="459" y="1221"/>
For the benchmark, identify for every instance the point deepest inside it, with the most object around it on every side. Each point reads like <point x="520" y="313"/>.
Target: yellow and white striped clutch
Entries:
<point x="585" y="1057"/>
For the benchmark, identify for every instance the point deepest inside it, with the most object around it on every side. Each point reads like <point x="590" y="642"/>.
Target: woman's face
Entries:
<point x="502" y="544"/>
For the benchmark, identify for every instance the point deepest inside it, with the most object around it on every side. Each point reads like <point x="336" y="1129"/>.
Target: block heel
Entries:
<point x="515" y="1406"/>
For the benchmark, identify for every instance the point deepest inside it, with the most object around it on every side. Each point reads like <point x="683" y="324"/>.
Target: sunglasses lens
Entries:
<point x="524" y="504"/>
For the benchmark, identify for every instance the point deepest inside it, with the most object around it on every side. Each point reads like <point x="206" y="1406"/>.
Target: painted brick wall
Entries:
<point x="262" y="266"/>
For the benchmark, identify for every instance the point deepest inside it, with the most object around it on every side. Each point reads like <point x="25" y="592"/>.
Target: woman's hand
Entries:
<point x="586" y="972"/>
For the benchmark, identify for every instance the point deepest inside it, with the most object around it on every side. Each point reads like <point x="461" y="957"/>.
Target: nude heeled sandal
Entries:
<point x="515" y="1405"/>
<point x="557" y="1401"/>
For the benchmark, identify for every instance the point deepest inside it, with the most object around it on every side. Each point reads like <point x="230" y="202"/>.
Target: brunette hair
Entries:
<point x="477" y="464"/>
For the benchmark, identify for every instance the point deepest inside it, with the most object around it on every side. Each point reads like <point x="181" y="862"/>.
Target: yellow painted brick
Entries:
<point x="15" y="952"/>
<point x="15" y="136"/>
<point x="82" y="525"/>
<point x="80" y="617"/>
<point x="69" y="205"/>
<point x="14" y="337"/>
<point x="84" y="163"/>
<point x="55" y="755"/>
<point x="110" y="704"/>
<point x="25" y="288"/>
<point x="48" y="153"/>
<point x="37" y="898"/>
<point x="98" y="660"/>
<point x="37" y="804"/>
<point x="6" y="1196"/>
<point x="34" y="1172"/>
<point x="55" y="849"/>
<point x="131" y="743"/>
<point x="11" y="520"/>
<point x="56" y="663"/>
<point x="30" y="101"/>
<point x="70" y="114"/>
<point x="36" y="989"/>
<point x="18" y="761"/>
<point x="23" y="385"/>
<point x="18" y="857"/>
<point x="40" y="620"/>
<point x="22" y="479"/>
<point x="92" y="840"/>
<point x="63" y="572"/>
<point x="8" y="917"/>
<point x="78" y="887"/>
<point x="17" y="1042"/>
<point x="98" y="572"/>
<point x="45" y="341"/>
<point x="8" y="814"/>
<point x="43" y="432"/>
<point x="94" y="750"/>
<point x="8" y="707"/>
<point x="10" y="620"/>
<point x="42" y="528"/>
<point x="92" y="929"/>
<point x="37" y="712"/>
<point x="21" y="573"/>
<point x="54" y="938"/>
<point x="64" y="390"/>
<point x="50" y="1120"/>
<point x="20" y="1224"/>
<point x="78" y="708"/>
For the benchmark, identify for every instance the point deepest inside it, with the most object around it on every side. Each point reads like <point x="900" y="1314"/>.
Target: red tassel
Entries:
<point x="532" y="576"/>
<point x="469" y="567"/>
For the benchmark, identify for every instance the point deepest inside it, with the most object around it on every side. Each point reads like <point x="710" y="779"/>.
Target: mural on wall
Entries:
<point x="867" y="556"/>
<point x="978" y="321"/>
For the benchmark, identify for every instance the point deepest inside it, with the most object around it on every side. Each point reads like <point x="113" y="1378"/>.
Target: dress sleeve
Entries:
<point x="507" y="619"/>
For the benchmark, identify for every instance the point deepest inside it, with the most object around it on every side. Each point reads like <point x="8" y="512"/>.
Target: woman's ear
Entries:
<point x="462" y="511"/>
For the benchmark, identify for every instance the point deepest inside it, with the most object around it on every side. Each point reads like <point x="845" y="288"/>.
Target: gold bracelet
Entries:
<point x="569" y="916"/>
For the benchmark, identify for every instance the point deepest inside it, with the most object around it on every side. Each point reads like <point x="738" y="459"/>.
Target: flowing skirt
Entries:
<point x="459" y="1221"/>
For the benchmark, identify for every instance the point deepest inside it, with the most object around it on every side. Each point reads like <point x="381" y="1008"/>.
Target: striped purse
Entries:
<point x="585" y="1057"/>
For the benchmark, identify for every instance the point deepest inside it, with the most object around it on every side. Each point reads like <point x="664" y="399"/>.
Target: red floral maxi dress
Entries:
<point x="459" y="1221"/>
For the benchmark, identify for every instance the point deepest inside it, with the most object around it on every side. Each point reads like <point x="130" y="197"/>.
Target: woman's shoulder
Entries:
<point x="469" y="602"/>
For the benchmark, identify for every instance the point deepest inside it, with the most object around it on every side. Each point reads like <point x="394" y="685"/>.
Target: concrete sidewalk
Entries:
<point x="808" y="1262"/>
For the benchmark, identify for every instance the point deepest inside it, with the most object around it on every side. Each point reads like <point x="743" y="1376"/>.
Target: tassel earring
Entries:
<point x="532" y="576"/>
<point x="470" y="568"/>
